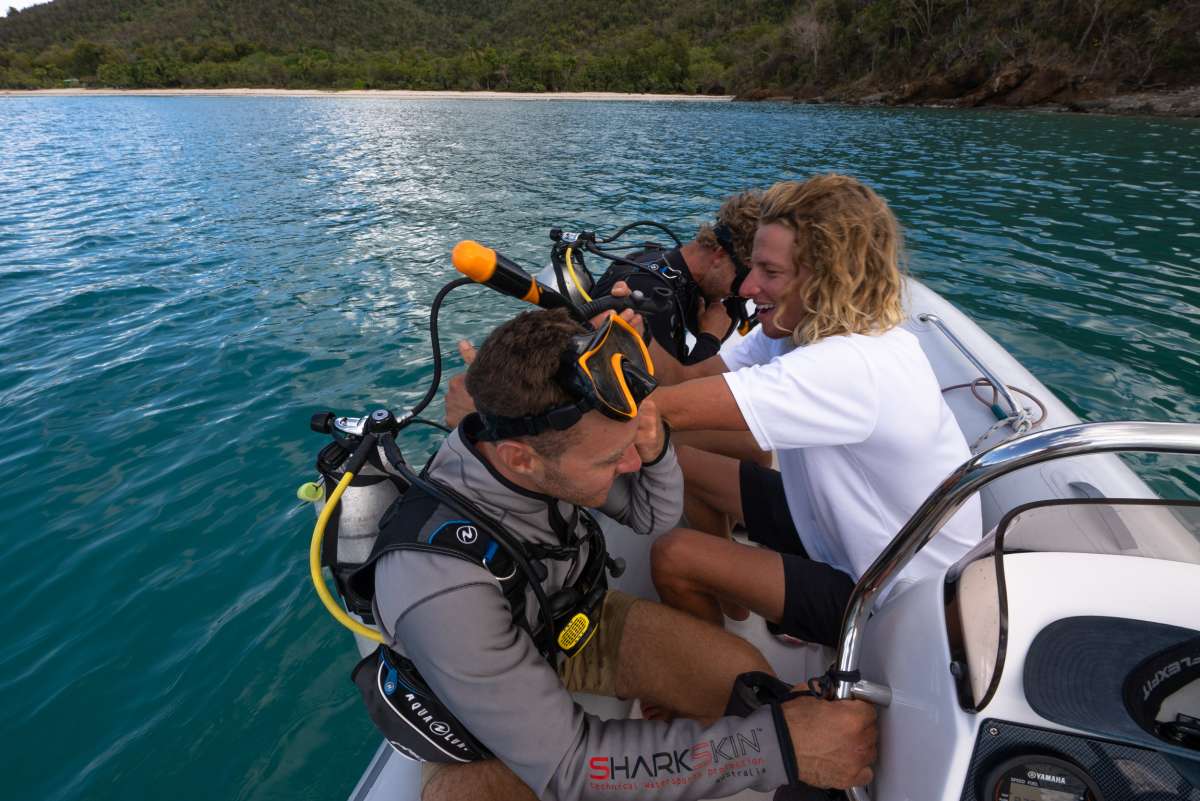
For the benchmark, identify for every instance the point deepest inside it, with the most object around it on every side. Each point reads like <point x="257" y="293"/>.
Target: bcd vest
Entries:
<point x="401" y="705"/>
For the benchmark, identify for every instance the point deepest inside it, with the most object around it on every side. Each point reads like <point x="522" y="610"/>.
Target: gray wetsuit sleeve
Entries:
<point x="491" y="677"/>
<point x="649" y="501"/>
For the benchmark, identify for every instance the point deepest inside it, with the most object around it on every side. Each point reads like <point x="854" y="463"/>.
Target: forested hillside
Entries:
<point x="909" y="50"/>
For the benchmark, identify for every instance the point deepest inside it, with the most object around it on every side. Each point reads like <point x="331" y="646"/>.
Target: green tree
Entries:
<point x="85" y="58"/>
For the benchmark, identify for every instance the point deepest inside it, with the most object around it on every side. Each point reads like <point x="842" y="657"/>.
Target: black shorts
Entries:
<point x="815" y="594"/>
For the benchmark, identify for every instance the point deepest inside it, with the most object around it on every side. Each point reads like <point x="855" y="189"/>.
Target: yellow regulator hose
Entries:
<point x="314" y="564"/>
<point x="575" y="278"/>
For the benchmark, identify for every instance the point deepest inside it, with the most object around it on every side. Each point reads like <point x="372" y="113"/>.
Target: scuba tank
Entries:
<point x="568" y="276"/>
<point x="567" y="273"/>
<point x="368" y="466"/>
<point x="353" y="526"/>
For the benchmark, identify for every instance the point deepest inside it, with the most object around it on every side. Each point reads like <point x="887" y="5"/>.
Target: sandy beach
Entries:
<point x="375" y="93"/>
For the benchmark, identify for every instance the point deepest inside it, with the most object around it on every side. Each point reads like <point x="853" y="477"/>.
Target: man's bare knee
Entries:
<point x="668" y="549"/>
<point x="671" y="554"/>
<point x="745" y="653"/>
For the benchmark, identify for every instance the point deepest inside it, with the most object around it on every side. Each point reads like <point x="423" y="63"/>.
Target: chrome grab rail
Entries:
<point x="969" y="478"/>
<point x="1017" y="411"/>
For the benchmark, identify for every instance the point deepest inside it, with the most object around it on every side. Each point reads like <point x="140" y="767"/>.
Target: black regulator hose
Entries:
<point x="437" y="349"/>
<point x="430" y="423"/>
<point x="656" y="302"/>
<point x="642" y="224"/>
<point x="591" y="247"/>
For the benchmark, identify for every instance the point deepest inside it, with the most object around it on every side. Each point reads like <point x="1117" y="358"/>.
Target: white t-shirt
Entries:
<point x="863" y="436"/>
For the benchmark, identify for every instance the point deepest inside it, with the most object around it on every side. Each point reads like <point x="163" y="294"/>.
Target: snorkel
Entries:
<point x="485" y="266"/>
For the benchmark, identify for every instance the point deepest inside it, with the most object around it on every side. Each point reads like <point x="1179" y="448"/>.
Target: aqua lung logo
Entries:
<point x="467" y="534"/>
<point x="710" y="753"/>
<point x="439" y="728"/>
<point x="1046" y="777"/>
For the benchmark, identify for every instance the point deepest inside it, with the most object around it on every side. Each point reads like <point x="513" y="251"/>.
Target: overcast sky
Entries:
<point x="5" y="5"/>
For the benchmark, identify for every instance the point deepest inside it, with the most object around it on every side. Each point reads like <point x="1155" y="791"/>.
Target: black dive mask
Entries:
<point x="724" y="235"/>
<point x="735" y="305"/>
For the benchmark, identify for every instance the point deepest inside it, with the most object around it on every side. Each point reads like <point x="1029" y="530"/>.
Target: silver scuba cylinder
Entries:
<point x="575" y="284"/>
<point x="362" y="506"/>
<point x="353" y="527"/>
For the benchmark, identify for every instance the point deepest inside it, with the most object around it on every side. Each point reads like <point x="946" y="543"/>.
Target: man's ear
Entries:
<point x="519" y="457"/>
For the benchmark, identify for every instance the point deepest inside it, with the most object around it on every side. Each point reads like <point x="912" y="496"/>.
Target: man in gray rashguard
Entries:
<point x="451" y="617"/>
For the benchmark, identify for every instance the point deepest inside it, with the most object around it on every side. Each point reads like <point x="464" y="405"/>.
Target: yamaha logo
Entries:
<point x="439" y="728"/>
<point x="467" y="534"/>
<point x="1046" y="777"/>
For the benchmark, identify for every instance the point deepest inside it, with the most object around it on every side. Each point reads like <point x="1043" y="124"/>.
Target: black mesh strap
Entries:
<point x="786" y="748"/>
<point x="560" y="418"/>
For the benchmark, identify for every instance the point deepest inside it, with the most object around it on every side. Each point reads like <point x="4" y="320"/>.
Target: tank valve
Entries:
<point x="382" y="420"/>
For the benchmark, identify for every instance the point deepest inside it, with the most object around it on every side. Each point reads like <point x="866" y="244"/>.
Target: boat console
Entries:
<point x="1072" y="634"/>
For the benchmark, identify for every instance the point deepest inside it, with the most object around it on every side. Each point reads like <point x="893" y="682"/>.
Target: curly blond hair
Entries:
<point x="848" y="238"/>
<point x="740" y="213"/>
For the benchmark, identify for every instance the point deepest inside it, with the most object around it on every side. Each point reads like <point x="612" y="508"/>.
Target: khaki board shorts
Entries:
<point x="593" y="670"/>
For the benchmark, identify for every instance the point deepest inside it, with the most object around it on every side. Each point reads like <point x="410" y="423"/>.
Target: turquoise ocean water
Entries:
<point x="183" y="281"/>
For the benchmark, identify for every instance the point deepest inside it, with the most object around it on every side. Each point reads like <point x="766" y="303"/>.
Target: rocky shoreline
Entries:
<point x="1022" y="86"/>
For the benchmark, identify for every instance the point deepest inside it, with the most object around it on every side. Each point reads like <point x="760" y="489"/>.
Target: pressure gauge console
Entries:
<point x="1037" y="777"/>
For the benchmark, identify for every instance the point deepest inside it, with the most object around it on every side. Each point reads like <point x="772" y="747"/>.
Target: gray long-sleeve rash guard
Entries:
<point x="451" y="619"/>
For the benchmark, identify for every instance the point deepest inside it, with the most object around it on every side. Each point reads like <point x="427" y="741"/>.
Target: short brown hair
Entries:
<point x="850" y="240"/>
<point x="513" y="374"/>
<point x="740" y="213"/>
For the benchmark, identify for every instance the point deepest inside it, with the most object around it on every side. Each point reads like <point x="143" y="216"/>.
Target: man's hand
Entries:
<point x="620" y="290"/>
<point x="650" y="434"/>
<point x="458" y="401"/>
<point x="834" y="740"/>
<point x="714" y="319"/>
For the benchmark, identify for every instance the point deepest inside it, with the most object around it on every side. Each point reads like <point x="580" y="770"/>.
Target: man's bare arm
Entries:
<point x="711" y="366"/>
<point x="699" y="404"/>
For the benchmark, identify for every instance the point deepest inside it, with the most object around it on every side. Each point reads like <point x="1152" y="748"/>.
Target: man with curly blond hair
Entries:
<point x="843" y="395"/>
<point x="700" y="274"/>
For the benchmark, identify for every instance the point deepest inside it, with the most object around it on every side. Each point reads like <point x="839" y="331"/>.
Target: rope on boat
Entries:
<point x="1021" y="420"/>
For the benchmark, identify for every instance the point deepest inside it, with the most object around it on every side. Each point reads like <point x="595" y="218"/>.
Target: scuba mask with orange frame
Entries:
<point x="608" y="370"/>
